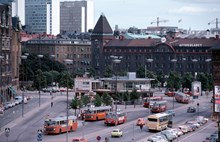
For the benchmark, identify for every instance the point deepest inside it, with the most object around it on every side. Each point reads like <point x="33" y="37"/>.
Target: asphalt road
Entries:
<point x="25" y="129"/>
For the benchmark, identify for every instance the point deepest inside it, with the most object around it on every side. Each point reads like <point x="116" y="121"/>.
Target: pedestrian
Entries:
<point x="51" y="104"/>
<point x="141" y="127"/>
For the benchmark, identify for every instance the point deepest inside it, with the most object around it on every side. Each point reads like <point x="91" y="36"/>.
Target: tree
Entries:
<point x="187" y="80"/>
<point x="65" y="80"/>
<point x="39" y="80"/>
<point x="75" y="104"/>
<point x="108" y="72"/>
<point x="134" y="96"/>
<point x="174" y="81"/>
<point x="140" y="72"/>
<point x="98" y="100"/>
<point x="85" y="99"/>
<point x="107" y="100"/>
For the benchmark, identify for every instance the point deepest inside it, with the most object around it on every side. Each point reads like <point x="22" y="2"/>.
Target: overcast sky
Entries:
<point x="194" y="14"/>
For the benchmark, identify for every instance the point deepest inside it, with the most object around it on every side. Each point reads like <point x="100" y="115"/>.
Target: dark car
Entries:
<point x="191" y="109"/>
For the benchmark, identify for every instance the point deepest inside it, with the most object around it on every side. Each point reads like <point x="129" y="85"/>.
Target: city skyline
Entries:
<point x="186" y="14"/>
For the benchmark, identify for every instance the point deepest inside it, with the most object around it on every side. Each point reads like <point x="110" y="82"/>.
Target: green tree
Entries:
<point x="98" y="100"/>
<point x="48" y="76"/>
<point x="85" y="99"/>
<point x="39" y="80"/>
<point x="107" y="100"/>
<point x="187" y="80"/>
<point x="174" y="81"/>
<point x="65" y="80"/>
<point x="134" y="96"/>
<point x="75" y="104"/>
<point x="140" y="72"/>
<point x="108" y="72"/>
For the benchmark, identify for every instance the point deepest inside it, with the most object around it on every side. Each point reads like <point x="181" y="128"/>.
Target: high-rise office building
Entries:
<point x="43" y="16"/>
<point x="76" y="16"/>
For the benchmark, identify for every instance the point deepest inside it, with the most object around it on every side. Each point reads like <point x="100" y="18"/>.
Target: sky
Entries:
<point x="186" y="14"/>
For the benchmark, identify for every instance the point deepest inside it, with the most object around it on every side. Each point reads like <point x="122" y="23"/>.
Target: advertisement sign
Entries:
<point x="196" y="88"/>
<point x="217" y="98"/>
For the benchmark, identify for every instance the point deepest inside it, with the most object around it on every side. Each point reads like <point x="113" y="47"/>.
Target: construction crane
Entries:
<point x="158" y="21"/>
<point x="215" y="21"/>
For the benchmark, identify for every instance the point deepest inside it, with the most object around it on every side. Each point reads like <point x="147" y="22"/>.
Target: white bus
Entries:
<point x="158" y="121"/>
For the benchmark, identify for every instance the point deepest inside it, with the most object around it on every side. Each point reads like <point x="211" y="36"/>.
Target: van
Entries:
<point x="19" y="99"/>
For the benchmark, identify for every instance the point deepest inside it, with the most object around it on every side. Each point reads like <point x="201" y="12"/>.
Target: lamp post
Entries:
<point x="174" y="68"/>
<point x="52" y="57"/>
<point x="149" y="61"/>
<point x="1" y="58"/>
<point x="40" y="56"/>
<point x="23" y="57"/>
<point x="207" y="67"/>
<point x="194" y="69"/>
<point x="67" y="62"/>
<point x="116" y="60"/>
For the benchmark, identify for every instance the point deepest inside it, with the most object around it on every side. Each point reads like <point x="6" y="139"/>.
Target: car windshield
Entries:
<point x="75" y="140"/>
<point x="115" y="130"/>
<point x="50" y="123"/>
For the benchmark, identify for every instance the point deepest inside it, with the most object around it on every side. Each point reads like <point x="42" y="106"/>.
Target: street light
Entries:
<point x="52" y="57"/>
<point x="68" y="62"/>
<point x="1" y="58"/>
<point x="40" y="56"/>
<point x="149" y="61"/>
<point x="195" y="73"/>
<point x="23" y="57"/>
<point x="208" y="61"/>
<point x="174" y="68"/>
<point x="116" y="60"/>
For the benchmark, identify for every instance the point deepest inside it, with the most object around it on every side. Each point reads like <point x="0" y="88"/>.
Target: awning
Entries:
<point x="13" y="91"/>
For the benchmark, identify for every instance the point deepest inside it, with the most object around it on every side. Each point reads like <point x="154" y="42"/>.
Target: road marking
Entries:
<point x="194" y="133"/>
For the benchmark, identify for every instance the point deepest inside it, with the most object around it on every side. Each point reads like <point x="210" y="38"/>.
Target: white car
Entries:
<point x="116" y="133"/>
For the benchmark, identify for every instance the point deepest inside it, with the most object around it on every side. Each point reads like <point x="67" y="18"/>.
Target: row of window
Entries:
<point x="155" y="50"/>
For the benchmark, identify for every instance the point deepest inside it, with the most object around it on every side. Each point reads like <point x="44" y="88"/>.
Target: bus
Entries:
<point x="58" y="124"/>
<point x="158" y="122"/>
<point x="115" y="118"/>
<point x="169" y="92"/>
<point x="182" y="97"/>
<point x="96" y="113"/>
<point x="159" y="106"/>
<point x="150" y="100"/>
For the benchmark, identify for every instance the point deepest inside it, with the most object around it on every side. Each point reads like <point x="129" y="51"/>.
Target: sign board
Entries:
<point x="217" y="98"/>
<point x="196" y="88"/>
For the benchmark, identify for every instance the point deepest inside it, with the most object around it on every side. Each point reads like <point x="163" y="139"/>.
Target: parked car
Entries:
<point x="184" y="129"/>
<point x="140" y="121"/>
<point x="19" y="99"/>
<point x="116" y="133"/>
<point x="79" y="139"/>
<point x="193" y="122"/>
<point x="13" y="103"/>
<point x="191" y="109"/>
<point x="169" y="135"/>
<point x="171" y="112"/>
<point x="8" y="105"/>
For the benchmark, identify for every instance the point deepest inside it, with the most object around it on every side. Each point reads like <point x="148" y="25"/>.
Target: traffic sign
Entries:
<point x="98" y="138"/>
<point x="39" y="135"/>
<point x="7" y="132"/>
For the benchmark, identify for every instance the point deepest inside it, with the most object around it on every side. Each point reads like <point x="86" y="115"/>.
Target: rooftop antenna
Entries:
<point x="215" y="21"/>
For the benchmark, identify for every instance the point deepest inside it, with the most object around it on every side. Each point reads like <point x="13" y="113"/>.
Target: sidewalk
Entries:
<point x="27" y="115"/>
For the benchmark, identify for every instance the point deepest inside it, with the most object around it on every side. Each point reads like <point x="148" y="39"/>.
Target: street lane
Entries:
<point x="26" y="131"/>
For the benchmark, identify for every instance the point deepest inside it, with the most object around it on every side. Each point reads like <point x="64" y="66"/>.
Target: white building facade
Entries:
<point x="76" y="15"/>
<point x="43" y="16"/>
